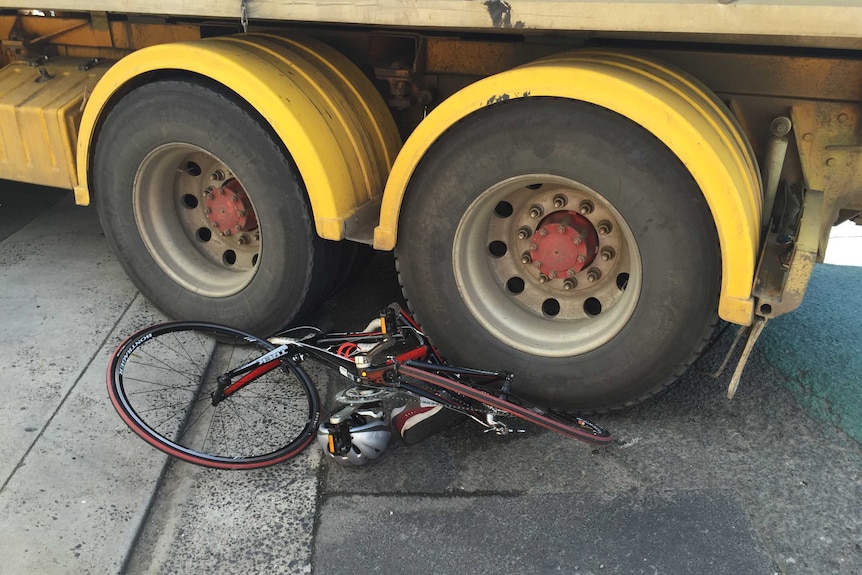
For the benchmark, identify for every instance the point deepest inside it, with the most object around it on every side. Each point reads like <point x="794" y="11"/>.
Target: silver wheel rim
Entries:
<point x="563" y="306"/>
<point x="196" y="220"/>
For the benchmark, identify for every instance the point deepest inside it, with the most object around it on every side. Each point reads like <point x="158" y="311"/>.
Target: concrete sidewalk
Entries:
<point x="74" y="485"/>
<point x="693" y="484"/>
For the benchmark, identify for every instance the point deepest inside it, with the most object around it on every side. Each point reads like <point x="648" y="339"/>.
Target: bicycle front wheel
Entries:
<point x="161" y="381"/>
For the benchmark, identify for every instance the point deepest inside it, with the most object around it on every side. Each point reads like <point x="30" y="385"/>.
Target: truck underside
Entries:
<point x="577" y="203"/>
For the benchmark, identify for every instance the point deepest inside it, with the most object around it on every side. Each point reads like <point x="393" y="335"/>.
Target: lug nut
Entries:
<point x="227" y="232"/>
<point x="241" y="213"/>
<point x="215" y="224"/>
<point x="536" y="210"/>
<point x="537" y="263"/>
<point x="586" y="207"/>
<point x="607" y="254"/>
<point x="524" y="233"/>
<point x="217" y="175"/>
<point x="561" y="228"/>
<point x="543" y="278"/>
<point x="572" y="273"/>
<point x="578" y="240"/>
<point x="526" y="258"/>
<point x="582" y="258"/>
<point x="593" y="275"/>
<point x="534" y="246"/>
<point x="543" y="232"/>
<point x="605" y="228"/>
<point x="570" y="284"/>
<point x="560" y="201"/>
<point x="243" y="239"/>
<point x="207" y="211"/>
<point x="552" y="275"/>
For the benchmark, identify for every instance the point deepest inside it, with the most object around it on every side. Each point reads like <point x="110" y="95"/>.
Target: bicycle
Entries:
<point x="219" y="397"/>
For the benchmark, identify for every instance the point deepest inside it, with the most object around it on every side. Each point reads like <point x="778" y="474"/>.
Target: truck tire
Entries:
<point x="564" y="243"/>
<point x="205" y="211"/>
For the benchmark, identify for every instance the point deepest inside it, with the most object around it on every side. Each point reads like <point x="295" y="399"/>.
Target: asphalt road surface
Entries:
<point x="694" y="483"/>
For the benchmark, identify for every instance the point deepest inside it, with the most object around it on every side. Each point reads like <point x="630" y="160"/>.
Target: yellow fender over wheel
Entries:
<point x="671" y="105"/>
<point x="330" y="118"/>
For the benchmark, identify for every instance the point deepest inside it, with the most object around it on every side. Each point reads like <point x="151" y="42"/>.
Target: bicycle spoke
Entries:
<point x="165" y="391"/>
<point x="161" y="386"/>
<point x="266" y="414"/>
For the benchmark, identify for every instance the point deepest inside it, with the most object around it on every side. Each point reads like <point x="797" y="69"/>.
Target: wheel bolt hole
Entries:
<point x="190" y="201"/>
<point x="229" y="257"/>
<point x="622" y="281"/>
<point x="497" y="249"/>
<point x="551" y="307"/>
<point x="592" y="307"/>
<point x="192" y="169"/>
<point x="254" y="260"/>
<point x="515" y="285"/>
<point x="204" y="234"/>
<point x="503" y="210"/>
<point x="534" y="186"/>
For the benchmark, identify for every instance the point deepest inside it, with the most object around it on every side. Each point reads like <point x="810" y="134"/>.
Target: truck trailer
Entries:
<point x="578" y="192"/>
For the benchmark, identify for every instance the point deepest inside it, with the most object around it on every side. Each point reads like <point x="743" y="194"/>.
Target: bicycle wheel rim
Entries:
<point x="160" y="381"/>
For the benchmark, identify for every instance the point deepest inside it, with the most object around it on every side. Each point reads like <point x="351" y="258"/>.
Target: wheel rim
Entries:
<point x="196" y="220"/>
<point x="547" y="265"/>
<point x="163" y="382"/>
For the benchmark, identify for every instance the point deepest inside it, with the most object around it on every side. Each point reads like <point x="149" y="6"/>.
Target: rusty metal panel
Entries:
<point x="40" y="110"/>
<point x="445" y="55"/>
<point x="25" y="37"/>
<point x="786" y="263"/>
<point x="829" y="139"/>
<point x="775" y="75"/>
<point x="830" y="144"/>
<point x="135" y="35"/>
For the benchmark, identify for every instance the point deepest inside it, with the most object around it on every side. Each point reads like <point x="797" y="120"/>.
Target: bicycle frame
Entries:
<point x="395" y="355"/>
<point x="403" y="342"/>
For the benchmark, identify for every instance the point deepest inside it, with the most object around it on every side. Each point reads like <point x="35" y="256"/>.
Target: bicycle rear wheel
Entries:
<point x="161" y="382"/>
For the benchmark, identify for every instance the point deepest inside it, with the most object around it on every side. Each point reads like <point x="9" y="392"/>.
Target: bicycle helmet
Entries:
<point x="356" y="434"/>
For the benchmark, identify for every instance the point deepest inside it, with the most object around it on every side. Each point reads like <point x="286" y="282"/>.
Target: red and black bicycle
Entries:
<point x="220" y="397"/>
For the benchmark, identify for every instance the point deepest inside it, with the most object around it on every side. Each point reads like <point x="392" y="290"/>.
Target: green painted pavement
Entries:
<point x="818" y="348"/>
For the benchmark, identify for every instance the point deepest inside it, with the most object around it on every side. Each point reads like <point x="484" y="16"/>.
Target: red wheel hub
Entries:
<point x="563" y="244"/>
<point x="229" y="210"/>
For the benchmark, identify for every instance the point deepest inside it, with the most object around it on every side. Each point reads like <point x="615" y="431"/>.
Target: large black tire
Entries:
<point x="601" y="325"/>
<point x="176" y="164"/>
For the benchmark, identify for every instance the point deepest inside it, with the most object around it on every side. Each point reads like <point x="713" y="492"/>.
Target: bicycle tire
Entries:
<point x="161" y="379"/>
